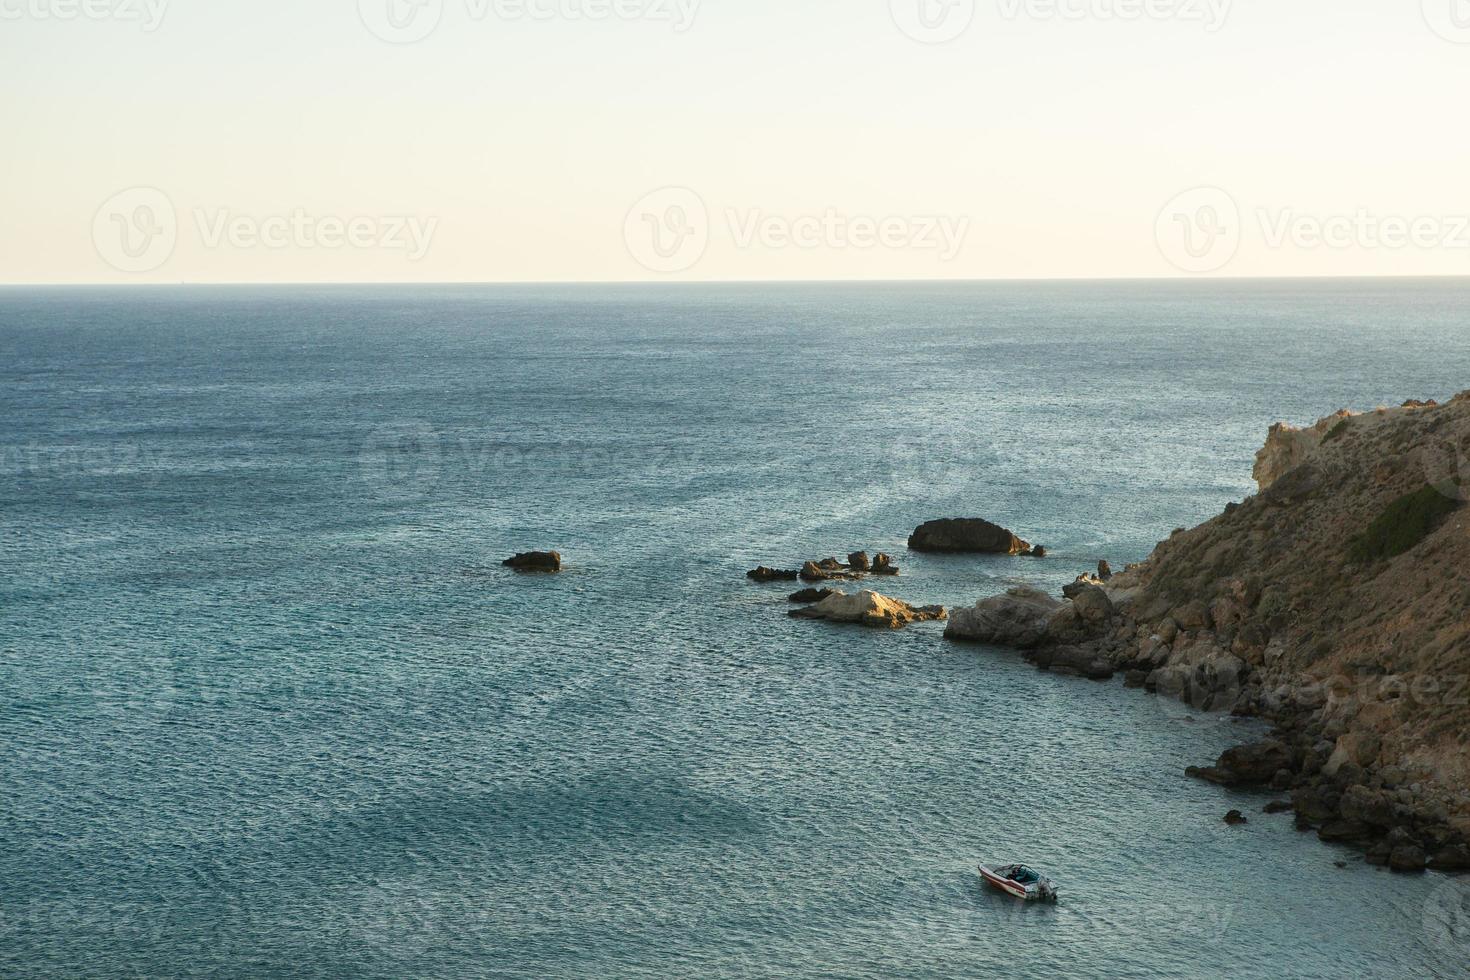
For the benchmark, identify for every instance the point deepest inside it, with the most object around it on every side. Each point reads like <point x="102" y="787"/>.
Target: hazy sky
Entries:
<point x="286" y="140"/>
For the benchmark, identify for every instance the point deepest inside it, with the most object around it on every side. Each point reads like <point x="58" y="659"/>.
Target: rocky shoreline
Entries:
<point x="1334" y="604"/>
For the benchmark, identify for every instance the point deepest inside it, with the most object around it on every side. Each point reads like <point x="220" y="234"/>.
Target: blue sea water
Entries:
<point x="269" y="706"/>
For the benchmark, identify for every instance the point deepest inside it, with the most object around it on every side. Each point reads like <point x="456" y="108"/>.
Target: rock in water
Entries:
<point x="858" y="561"/>
<point x="1235" y="818"/>
<point x="958" y="536"/>
<point x="883" y="565"/>
<point x="764" y="574"/>
<point x="535" y="561"/>
<point x="1077" y="661"/>
<point x="1017" y="619"/>
<point x="870" y="609"/>
<point x="809" y="596"/>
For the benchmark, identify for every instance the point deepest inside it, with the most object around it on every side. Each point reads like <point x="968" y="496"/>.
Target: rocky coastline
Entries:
<point x="1334" y="604"/>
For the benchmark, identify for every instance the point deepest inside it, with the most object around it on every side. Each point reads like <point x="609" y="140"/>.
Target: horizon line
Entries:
<point x="729" y="282"/>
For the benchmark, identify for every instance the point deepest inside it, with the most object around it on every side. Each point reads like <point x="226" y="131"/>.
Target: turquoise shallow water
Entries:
<point x="270" y="707"/>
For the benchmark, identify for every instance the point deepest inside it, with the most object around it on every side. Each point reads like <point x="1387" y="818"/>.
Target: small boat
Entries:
<point x="1020" y="881"/>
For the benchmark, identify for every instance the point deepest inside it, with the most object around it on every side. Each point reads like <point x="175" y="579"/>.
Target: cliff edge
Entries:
<point x="1336" y="603"/>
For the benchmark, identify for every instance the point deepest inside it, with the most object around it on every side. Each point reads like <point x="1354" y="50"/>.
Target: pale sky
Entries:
<point x="284" y="141"/>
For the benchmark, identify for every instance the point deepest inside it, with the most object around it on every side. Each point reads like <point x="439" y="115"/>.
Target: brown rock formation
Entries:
<point x="870" y="609"/>
<point x="971" y="535"/>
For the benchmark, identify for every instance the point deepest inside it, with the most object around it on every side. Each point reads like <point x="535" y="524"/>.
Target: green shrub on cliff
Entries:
<point x="1405" y="523"/>
<point x="1338" y="430"/>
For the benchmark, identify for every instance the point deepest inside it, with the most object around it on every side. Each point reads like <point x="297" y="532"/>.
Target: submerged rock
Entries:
<point x="1074" y="660"/>
<point x="969" y="535"/>
<point x="1235" y="818"/>
<point x="870" y="609"/>
<point x="535" y="561"/>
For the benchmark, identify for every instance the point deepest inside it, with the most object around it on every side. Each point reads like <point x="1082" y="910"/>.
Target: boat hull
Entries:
<point x="997" y="880"/>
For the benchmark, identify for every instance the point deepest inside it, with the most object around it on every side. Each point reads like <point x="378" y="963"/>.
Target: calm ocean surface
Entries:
<point x="269" y="706"/>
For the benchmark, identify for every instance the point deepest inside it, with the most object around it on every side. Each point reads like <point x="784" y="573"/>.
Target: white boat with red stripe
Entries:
<point x="1020" y="881"/>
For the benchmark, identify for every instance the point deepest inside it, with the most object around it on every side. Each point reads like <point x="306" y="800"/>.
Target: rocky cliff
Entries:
<point x="1335" y="603"/>
<point x="1286" y="446"/>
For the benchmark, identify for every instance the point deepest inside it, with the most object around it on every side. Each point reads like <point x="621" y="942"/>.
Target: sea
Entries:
<point x="270" y="706"/>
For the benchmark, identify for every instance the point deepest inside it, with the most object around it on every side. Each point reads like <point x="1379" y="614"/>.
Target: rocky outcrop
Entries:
<point x="1287" y="446"/>
<point x="858" y="567"/>
<point x="1017" y="619"/>
<point x="808" y="597"/>
<point x="828" y="570"/>
<point x="871" y="610"/>
<point x="1333" y="605"/>
<point x="535" y="561"/>
<point x="966" y="536"/>
<point x="1256" y="764"/>
<point x="1054" y="635"/>
<point x="1084" y="581"/>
